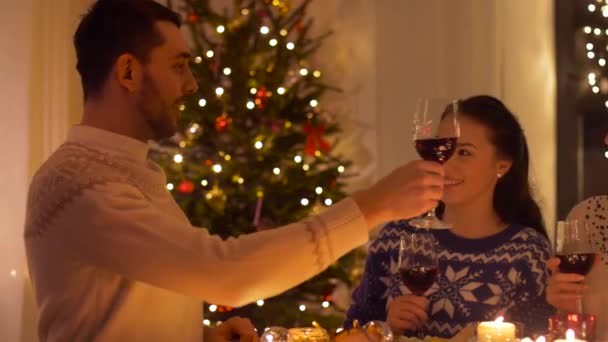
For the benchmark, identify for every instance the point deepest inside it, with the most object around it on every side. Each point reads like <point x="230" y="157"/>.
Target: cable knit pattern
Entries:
<point x="478" y="280"/>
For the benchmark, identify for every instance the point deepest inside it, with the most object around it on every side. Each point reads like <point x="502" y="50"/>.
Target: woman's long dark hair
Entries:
<point x="513" y="200"/>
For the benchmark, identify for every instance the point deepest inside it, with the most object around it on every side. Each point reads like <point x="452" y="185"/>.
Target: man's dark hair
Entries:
<point x="112" y="28"/>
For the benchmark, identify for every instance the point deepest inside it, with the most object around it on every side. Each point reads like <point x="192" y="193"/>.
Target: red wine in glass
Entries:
<point x="436" y="149"/>
<point x="418" y="280"/>
<point x="579" y="263"/>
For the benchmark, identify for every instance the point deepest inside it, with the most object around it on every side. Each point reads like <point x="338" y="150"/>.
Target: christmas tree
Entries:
<point x="254" y="150"/>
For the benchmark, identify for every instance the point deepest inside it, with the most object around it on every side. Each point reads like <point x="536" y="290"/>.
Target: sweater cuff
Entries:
<point x="343" y="229"/>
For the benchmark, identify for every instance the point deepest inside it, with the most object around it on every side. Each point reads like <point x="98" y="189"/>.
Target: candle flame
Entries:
<point x="499" y="319"/>
<point x="570" y="335"/>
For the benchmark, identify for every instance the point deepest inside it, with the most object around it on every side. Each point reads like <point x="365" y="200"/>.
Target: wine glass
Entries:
<point x="574" y="249"/>
<point x="418" y="263"/>
<point x="436" y="131"/>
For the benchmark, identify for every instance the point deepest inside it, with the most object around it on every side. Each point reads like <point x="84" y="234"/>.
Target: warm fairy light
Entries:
<point x="325" y="304"/>
<point x="170" y="186"/>
<point x="290" y="46"/>
<point x="245" y="11"/>
<point x="591" y="8"/>
<point x="281" y="91"/>
<point x="587" y="29"/>
<point x="14" y="273"/>
<point x="284" y="32"/>
<point x="341" y="168"/>
<point x="319" y="190"/>
<point x="178" y="158"/>
<point x="328" y="202"/>
<point x="198" y="59"/>
<point x="227" y="157"/>
<point x="264" y="30"/>
<point x="302" y="307"/>
<point x="219" y="91"/>
<point x="590" y="55"/>
<point x="273" y="42"/>
<point x="258" y="145"/>
<point x="217" y="168"/>
<point x="253" y="91"/>
<point x="212" y="308"/>
<point x="595" y="89"/>
<point x="227" y="71"/>
<point x="210" y="54"/>
<point x="314" y="103"/>
<point x="589" y="46"/>
<point x="260" y="302"/>
<point x="306" y="167"/>
<point x="206" y="322"/>
<point x="202" y="102"/>
<point x="276" y="171"/>
<point x="250" y="105"/>
<point x="298" y="159"/>
<point x="303" y="71"/>
<point x="182" y="107"/>
<point x="597" y="31"/>
<point x="204" y="182"/>
<point x="316" y="74"/>
<point x="221" y="29"/>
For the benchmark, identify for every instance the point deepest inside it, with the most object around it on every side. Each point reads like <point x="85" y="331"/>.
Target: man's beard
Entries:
<point x="158" y="117"/>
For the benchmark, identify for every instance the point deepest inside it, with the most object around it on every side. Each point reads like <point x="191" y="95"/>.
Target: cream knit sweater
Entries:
<point x="113" y="258"/>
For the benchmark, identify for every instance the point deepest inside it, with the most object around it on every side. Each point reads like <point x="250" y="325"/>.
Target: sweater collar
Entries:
<point x="109" y="142"/>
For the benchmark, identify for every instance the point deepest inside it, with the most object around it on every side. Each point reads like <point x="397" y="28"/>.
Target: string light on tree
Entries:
<point x="264" y="30"/>
<point x="207" y="322"/>
<point x="210" y="54"/>
<point x="273" y="42"/>
<point x="591" y="8"/>
<point x="283" y="32"/>
<point x="221" y="29"/>
<point x="303" y="71"/>
<point x="219" y="91"/>
<point x="328" y="202"/>
<point x="341" y="169"/>
<point x="202" y="102"/>
<point x="182" y="107"/>
<point x="314" y="103"/>
<point x="304" y="201"/>
<point x="297" y="159"/>
<point x="260" y="302"/>
<point x="302" y="308"/>
<point x="316" y="74"/>
<point x="245" y="11"/>
<point x="170" y="186"/>
<point x="212" y="307"/>
<point x="258" y="145"/>
<point x="178" y="158"/>
<point x="325" y="304"/>
<point x="250" y="105"/>
<point x="597" y="31"/>
<point x="217" y="168"/>
<point x="204" y="182"/>
<point x="319" y="190"/>
<point x="276" y="171"/>
<point x="198" y="59"/>
<point x="587" y="29"/>
<point x="306" y="167"/>
<point x="290" y="46"/>
<point x="281" y="91"/>
<point x="227" y="71"/>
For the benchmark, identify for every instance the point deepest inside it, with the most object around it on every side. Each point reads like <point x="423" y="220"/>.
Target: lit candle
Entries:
<point x="570" y="337"/>
<point x="497" y="331"/>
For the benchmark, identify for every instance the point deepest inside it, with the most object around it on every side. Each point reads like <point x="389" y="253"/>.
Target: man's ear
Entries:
<point x="128" y="71"/>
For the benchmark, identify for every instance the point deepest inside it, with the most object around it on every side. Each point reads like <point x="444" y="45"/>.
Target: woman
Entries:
<point x="492" y="262"/>
<point x="565" y="289"/>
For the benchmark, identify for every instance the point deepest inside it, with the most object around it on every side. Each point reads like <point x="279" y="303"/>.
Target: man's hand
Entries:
<point x="564" y="290"/>
<point x="408" y="191"/>
<point x="234" y="328"/>
<point x="407" y="312"/>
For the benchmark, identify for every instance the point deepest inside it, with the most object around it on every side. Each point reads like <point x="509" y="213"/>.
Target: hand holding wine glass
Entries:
<point x="418" y="267"/>
<point x="575" y="257"/>
<point x="436" y="131"/>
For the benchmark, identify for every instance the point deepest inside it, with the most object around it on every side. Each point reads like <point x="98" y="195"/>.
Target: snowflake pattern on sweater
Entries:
<point x="478" y="280"/>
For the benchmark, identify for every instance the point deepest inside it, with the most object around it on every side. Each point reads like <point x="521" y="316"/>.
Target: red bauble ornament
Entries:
<point x="222" y="123"/>
<point x="193" y="18"/>
<point x="186" y="187"/>
<point x="314" y="139"/>
<point x="261" y="97"/>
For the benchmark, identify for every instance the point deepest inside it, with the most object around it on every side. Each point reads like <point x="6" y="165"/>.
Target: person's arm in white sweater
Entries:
<point x="113" y="226"/>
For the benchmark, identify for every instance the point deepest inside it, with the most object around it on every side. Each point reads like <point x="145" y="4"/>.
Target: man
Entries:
<point x="112" y="257"/>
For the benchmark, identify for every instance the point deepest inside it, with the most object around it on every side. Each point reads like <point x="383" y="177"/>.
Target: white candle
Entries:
<point x="497" y="331"/>
<point x="569" y="337"/>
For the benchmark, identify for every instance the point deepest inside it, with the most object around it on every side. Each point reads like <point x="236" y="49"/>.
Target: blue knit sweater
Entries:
<point x="478" y="280"/>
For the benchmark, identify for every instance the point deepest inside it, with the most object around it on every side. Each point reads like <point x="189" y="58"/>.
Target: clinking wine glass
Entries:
<point x="436" y="132"/>
<point x="574" y="249"/>
<point x="418" y="263"/>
